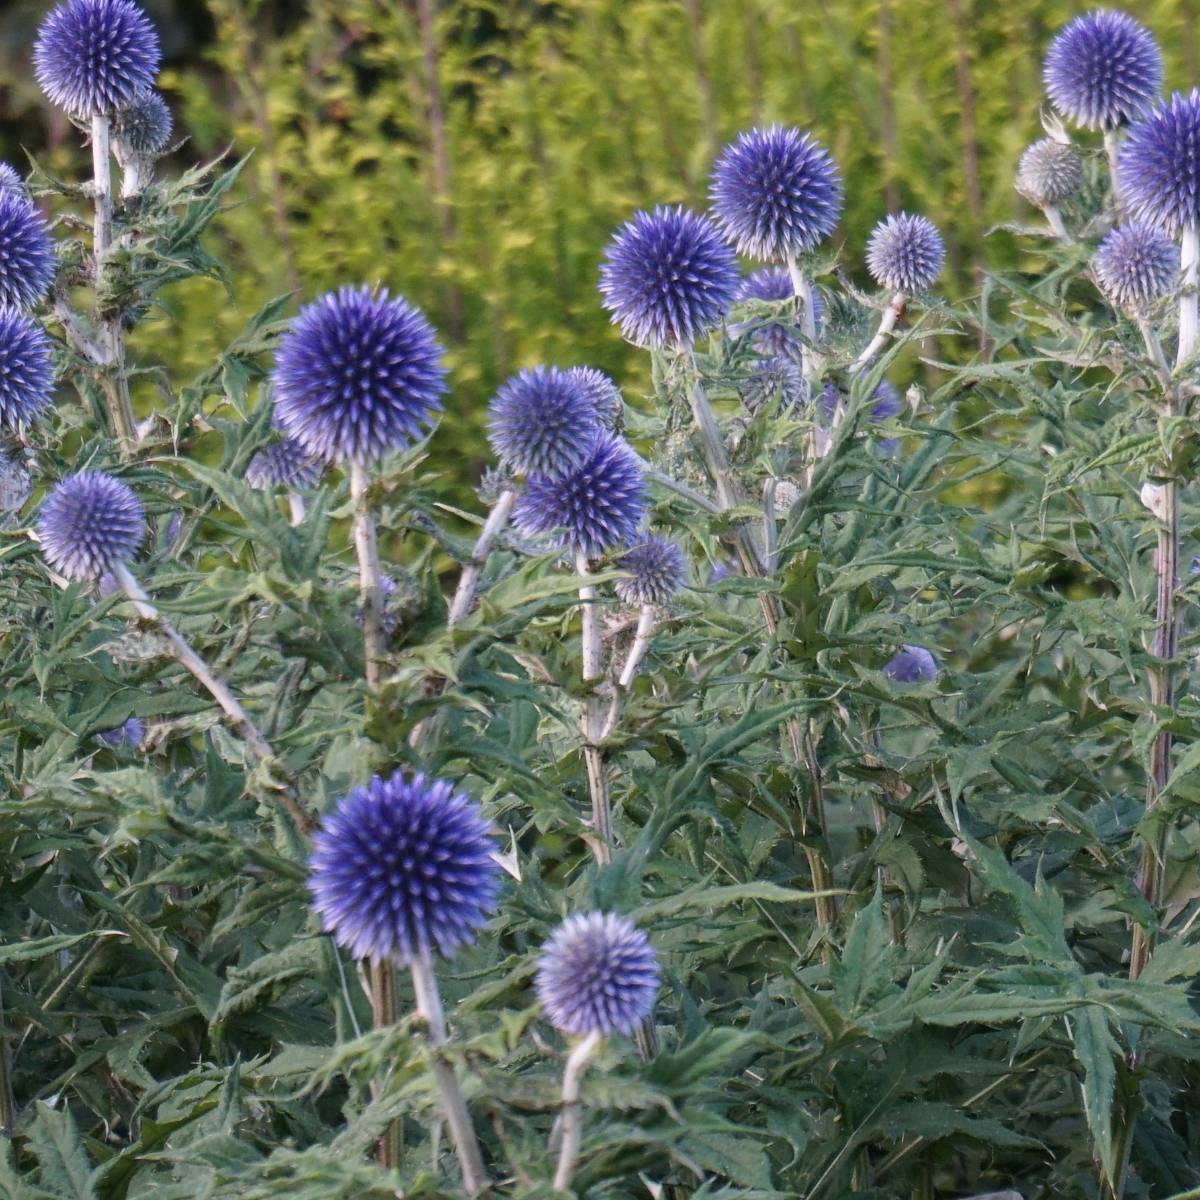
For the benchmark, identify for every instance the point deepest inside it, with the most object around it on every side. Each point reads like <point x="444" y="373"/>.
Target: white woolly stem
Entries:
<point x="1189" y="301"/>
<point x="468" y="581"/>
<point x="101" y="187"/>
<point x="887" y="322"/>
<point x="466" y="1145"/>
<point x="1055" y="221"/>
<point x="810" y="362"/>
<point x="770" y="533"/>
<point x="572" y="1110"/>
<point x="297" y="507"/>
<point x="592" y="724"/>
<point x="647" y="619"/>
<point x="1112" y="149"/>
<point x="681" y="489"/>
<point x="367" y="548"/>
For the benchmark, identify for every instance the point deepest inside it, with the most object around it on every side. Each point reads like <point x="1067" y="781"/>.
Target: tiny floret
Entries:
<point x="10" y="180"/>
<point x="604" y="394"/>
<point x="145" y="126"/>
<point x="776" y="192"/>
<point x="284" y="463"/>
<point x="667" y="277"/>
<point x="1049" y="172"/>
<point x="26" y="252"/>
<point x="357" y="375"/>
<point x="1135" y="265"/>
<point x="401" y="869"/>
<point x="95" y="57"/>
<point x="905" y="253"/>
<point x="911" y="664"/>
<point x="1103" y="69"/>
<point x="1160" y="165"/>
<point x="90" y="524"/>
<point x="542" y="422"/>
<point x="26" y="370"/>
<point x="656" y="572"/>
<point x="597" y="974"/>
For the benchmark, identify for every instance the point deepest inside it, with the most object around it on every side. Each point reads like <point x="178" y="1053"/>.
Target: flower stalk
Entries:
<point x="468" y="581"/>
<point x="366" y="547"/>
<point x="592" y="725"/>
<point x="572" y="1110"/>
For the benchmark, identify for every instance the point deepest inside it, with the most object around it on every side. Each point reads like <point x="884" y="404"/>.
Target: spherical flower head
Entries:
<point x="127" y="736"/>
<point x="145" y="126"/>
<point x="596" y="508"/>
<point x="1049" y="172"/>
<point x="1102" y="69"/>
<point x="905" y="253"/>
<point x="26" y="371"/>
<point x="656" y="572"/>
<point x="10" y="180"/>
<point x="284" y="463"/>
<point x="357" y="375"/>
<point x="1160" y="165"/>
<point x="777" y="338"/>
<point x="90" y="524"/>
<point x="26" y="252"/>
<point x="603" y="393"/>
<point x="597" y="974"/>
<point x="401" y="868"/>
<point x="776" y="192"/>
<point x="1135" y="265"/>
<point x="911" y="664"/>
<point x="777" y="378"/>
<point x="667" y="277"/>
<point x="542" y="422"/>
<point x="95" y="57"/>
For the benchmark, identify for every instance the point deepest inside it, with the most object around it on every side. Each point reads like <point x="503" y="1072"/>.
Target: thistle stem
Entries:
<point x="592" y="724"/>
<point x="770" y="547"/>
<point x="682" y="489"/>
<point x="468" y="581"/>
<point x="1112" y="150"/>
<point x="297" y="507"/>
<point x="367" y="547"/>
<point x="1055" y="221"/>
<point x="887" y="322"/>
<point x="466" y="1145"/>
<point x="810" y="361"/>
<point x="101" y="187"/>
<point x="641" y="643"/>
<point x="572" y="1110"/>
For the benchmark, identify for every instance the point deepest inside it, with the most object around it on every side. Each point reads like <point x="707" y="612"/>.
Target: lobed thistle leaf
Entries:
<point x="89" y="524"/>
<point x="1136" y="264"/>
<point x="1160" y="165"/>
<point x="905" y="253"/>
<point x="27" y="259"/>
<point x="542" y="421"/>
<point x="656" y="572"/>
<point x="26" y="369"/>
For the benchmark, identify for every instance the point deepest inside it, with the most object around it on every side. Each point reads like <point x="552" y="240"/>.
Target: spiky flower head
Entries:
<point x="776" y="192"/>
<point x="145" y="126"/>
<point x="604" y="394"/>
<point x="26" y="372"/>
<point x="667" y="277"/>
<point x="284" y="463"/>
<point x="94" y="57"/>
<point x="656" y="572"/>
<point x="597" y="507"/>
<point x="1136" y="264"/>
<point x="911" y="664"/>
<point x="597" y="974"/>
<point x="90" y="524"/>
<point x="1160" y="165"/>
<point x="1102" y="69"/>
<point x="127" y="736"/>
<point x="401" y="868"/>
<point x="905" y="253"/>
<point x="10" y="180"/>
<point x="542" y="422"/>
<point x="357" y="374"/>
<point x="26" y="252"/>
<point x="778" y="378"/>
<point x="1049" y="172"/>
<point x="777" y="338"/>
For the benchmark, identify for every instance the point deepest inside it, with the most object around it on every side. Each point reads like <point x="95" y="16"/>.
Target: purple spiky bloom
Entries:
<point x="10" y="180"/>
<point x="597" y="507"/>
<point x="127" y="736"/>
<point x="1135" y="265"/>
<point x="1160" y="165"/>
<point x="905" y="253"/>
<point x="656" y="572"/>
<point x="357" y="374"/>
<point x="911" y="664"/>
<point x="1049" y="172"/>
<point x="1102" y="69"/>
<point x="769" y="283"/>
<point x="725" y="569"/>
<point x="94" y="57"/>
<point x="90" y="524"/>
<point x="777" y="339"/>
<point x="26" y="370"/>
<point x="541" y="422"/>
<point x="776" y="378"/>
<point x="26" y="252"/>
<point x="145" y="126"/>
<point x="667" y="277"/>
<point x="598" y="973"/>
<point x="401" y="868"/>
<point x="776" y="192"/>
<point x="604" y="394"/>
<point x="284" y="463"/>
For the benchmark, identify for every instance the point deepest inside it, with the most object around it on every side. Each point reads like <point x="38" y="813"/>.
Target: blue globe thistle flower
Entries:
<point x="667" y="277"/>
<point x="912" y="664"/>
<point x="90" y="523"/>
<point x="542" y="422"/>
<point x="1102" y="69"/>
<point x="401" y="868"/>
<point x="1160" y="165"/>
<point x="1136" y="264"/>
<point x="597" y="974"/>
<point x="776" y="192"/>
<point x="597" y="507"/>
<point x="656" y="572"/>
<point x="127" y="736"/>
<point x="26" y="252"/>
<point x="777" y="378"/>
<point x="777" y="338"/>
<point x="358" y="374"/>
<point x="26" y="371"/>
<point x="10" y="180"/>
<point x="720" y="571"/>
<point x="905" y="253"/>
<point x="94" y="57"/>
<point x="145" y="126"/>
<point x="603" y="393"/>
<point x="1049" y="172"/>
<point x="284" y="463"/>
<point x="886" y="402"/>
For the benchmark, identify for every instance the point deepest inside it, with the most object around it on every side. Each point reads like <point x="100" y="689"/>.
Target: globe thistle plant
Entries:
<point x="90" y="524"/>
<point x="95" y="57"/>
<point x="10" y="180"/>
<point x="1135" y="265"/>
<point x="911" y="664"/>
<point x="27" y="259"/>
<point x="656" y="571"/>
<point x="1049" y="172"/>
<point x="145" y="126"/>
<point x="778" y="378"/>
<point x="283" y="463"/>
<point x="1160" y="165"/>
<point x="1103" y="69"/>
<point x="127" y="736"/>
<point x="541" y="422"/>
<point x="26" y="371"/>
<point x="667" y="277"/>
<point x="603" y="393"/>
<point x="777" y="339"/>
<point x="905" y="253"/>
